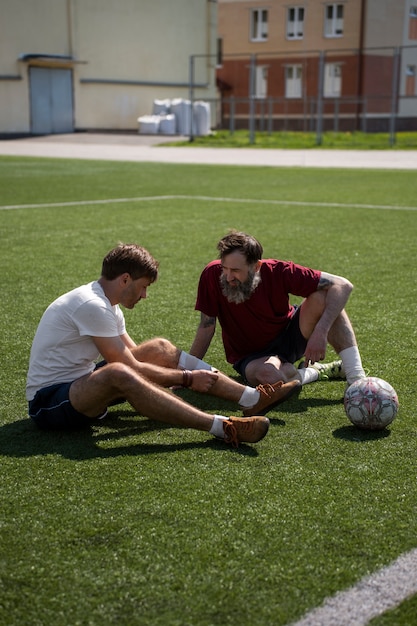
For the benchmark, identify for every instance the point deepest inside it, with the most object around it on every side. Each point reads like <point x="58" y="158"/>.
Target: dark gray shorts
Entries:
<point x="52" y="409"/>
<point x="289" y="345"/>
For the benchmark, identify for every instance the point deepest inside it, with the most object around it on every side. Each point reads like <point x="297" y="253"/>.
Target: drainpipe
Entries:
<point x="360" y="87"/>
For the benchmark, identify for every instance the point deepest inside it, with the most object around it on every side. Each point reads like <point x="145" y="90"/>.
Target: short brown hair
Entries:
<point x="237" y="241"/>
<point x="132" y="259"/>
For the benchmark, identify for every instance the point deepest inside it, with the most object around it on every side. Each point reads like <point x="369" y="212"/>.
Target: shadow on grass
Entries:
<point x="106" y="440"/>
<point x="352" y="433"/>
<point x="294" y="405"/>
<point x="302" y="405"/>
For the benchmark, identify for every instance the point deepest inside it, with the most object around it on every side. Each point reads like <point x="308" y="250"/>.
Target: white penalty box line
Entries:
<point x="370" y="597"/>
<point x="255" y="201"/>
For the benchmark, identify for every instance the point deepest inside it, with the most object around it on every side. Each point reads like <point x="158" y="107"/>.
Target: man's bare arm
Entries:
<point x="203" y="336"/>
<point x="338" y="292"/>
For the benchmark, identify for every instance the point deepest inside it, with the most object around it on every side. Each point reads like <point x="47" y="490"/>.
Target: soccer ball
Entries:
<point x="371" y="403"/>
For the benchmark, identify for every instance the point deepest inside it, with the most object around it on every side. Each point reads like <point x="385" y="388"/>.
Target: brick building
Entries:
<point x="352" y="62"/>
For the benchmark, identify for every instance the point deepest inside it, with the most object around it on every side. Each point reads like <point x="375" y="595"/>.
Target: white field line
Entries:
<point x="370" y="597"/>
<point x="208" y="199"/>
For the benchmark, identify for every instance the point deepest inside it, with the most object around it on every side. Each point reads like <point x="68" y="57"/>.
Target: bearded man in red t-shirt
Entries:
<point x="263" y="333"/>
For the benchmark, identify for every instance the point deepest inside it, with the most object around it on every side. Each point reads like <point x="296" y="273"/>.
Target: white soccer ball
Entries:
<point x="371" y="403"/>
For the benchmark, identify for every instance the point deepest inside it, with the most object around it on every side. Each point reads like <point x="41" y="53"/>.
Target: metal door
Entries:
<point x="51" y="102"/>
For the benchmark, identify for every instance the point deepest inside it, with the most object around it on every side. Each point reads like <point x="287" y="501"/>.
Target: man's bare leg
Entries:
<point x="91" y="395"/>
<point x="253" y="401"/>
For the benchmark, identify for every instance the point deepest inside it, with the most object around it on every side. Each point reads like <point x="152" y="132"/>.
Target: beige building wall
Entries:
<point x="23" y="28"/>
<point x="124" y="54"/>
<point x="384" y="23"/>
<point x="387" y="27"/>
<point x="234" y="27"/>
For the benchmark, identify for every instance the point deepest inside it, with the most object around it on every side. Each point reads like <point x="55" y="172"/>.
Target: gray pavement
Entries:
<point x="150" y="148"/>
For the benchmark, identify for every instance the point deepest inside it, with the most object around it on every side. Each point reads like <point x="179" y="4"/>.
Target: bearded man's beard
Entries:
<point x="241" y="291"/>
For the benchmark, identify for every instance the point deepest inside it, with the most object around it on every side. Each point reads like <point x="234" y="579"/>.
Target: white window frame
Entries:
<point x="293" y="81"/>
<point x="295" y="27"/>
<point x="261" y="81"/>
<point x="333" y="24"/>
<point x="259" y="24"/>
<point x="410" y="75"/>
<point x="332" y="80"/>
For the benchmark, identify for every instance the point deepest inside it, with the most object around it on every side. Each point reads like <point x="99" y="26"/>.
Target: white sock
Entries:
<point x="352" y="364"/>
<point x="217" y="426"/>
<point x="249" y="397"/>
<point x="190" y="362"/>
<point x="307" y="375"/>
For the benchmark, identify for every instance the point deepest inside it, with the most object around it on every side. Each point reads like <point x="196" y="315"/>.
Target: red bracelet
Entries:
<point x="187" y="378"/>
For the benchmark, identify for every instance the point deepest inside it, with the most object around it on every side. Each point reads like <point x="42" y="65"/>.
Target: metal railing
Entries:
<point x="374" y="97"/>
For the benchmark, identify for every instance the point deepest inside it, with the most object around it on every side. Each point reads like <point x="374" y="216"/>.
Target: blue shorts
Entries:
<point x="52" y="409"/>
<point x="289" y="345"/>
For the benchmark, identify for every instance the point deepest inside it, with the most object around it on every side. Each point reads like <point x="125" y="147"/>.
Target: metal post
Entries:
<point x="252" y="79"/>
<point x="262" y="115"/>
<point x="336" y="115"/>
<point x="319" y="135"/>
<point x="394" y="96"/>
<point x="364" y="114"/>
<point x="191" y="94"/>
<point x="270" y="115"/>
<point x="312" y="107"/>
<point x="232" y="115"/>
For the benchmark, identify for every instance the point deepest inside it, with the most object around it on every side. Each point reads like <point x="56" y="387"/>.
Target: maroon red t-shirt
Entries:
<point x="250" y="326"/>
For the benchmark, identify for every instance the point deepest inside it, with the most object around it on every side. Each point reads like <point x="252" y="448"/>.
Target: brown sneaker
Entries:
<point x="248" y="430"/>
<point x="271" y="395"/>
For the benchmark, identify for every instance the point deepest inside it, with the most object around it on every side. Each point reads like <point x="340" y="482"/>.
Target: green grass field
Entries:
<point x="137" y="523"/>
<point x="305" y="140"/>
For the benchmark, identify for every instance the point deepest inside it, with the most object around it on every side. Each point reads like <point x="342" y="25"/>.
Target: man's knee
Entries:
<point x="269" y="371"/>
<point x="315" y="302"/>
<point x="158" y="351"/>
<point x="115" y="375"/>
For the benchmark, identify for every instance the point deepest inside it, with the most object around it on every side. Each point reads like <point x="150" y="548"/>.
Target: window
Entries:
<point x="261" y="81"/>
<point x="333" y="24"/>
<point x="412" y="24"/>
<point x="332" y="80"/>
<point x="259" y="25"/>
<point x="293" y="78"/>
<point x="410" y="80"/>
<point x="295" y="23"/>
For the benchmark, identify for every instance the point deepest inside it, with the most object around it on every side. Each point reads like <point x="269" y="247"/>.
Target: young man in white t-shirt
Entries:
<point x="68" y="388"/>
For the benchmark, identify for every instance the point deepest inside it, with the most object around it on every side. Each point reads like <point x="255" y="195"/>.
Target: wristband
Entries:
<point x="187" y="378"/>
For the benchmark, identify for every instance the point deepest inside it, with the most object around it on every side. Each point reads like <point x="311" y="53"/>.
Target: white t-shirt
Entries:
<point x="63" y="349"/>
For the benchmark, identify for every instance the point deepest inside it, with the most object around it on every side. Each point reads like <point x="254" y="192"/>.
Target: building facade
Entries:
<point x="70" y="65"/>
<point x="352" y="62"/>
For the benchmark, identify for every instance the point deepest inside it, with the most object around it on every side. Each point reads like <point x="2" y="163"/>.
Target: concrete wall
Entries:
<point x="123" y="53"/>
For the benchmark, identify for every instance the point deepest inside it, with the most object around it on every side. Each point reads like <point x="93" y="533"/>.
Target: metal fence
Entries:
<point x="370" y="90"/>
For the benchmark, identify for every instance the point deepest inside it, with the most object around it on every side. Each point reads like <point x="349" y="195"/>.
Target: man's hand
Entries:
<point x="203" y="380"/>
<point x="316" y="347"/>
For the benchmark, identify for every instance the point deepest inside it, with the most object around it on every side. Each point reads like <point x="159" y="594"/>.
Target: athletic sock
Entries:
<point x="249" y="397"/>
<point x="352" y="364"/>
<point x="217" y="429"/>
<point x="190" y="362"/>
<point x="307" y="375"/>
